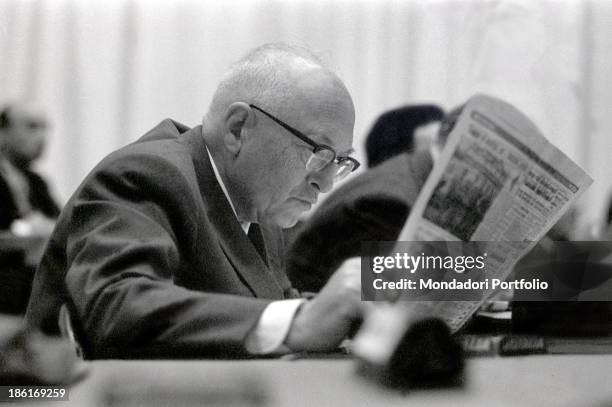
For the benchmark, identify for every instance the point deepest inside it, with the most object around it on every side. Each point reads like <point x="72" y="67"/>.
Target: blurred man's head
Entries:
<point x="270" y="169"/>
<point x="23" y="133"/>
<point x="402" y="130"/>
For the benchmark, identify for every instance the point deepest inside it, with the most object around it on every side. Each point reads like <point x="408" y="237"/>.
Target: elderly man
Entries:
<point x="24" y="196"/>
<point x="170" y="246"/>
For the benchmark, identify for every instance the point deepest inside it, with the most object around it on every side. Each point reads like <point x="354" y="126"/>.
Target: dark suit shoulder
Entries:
<point x="154" y="161"/>
<point x="166" y="129"/>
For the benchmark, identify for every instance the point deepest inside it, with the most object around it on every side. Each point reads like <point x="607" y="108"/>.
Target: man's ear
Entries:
<point x="238" y="117"/>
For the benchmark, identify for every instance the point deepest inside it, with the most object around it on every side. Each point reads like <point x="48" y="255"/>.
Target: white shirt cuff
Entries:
<point x="272" y="328"/>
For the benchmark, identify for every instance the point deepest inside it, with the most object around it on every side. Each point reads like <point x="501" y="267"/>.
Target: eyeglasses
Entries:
<point x="322" y="155"/>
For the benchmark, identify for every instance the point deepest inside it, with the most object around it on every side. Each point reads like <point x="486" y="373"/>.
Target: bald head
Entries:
<point x="280" y="76"/>
<point x="261" y="162"/>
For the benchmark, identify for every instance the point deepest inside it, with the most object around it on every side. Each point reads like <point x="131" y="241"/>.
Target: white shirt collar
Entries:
<point x="245" y="225"/>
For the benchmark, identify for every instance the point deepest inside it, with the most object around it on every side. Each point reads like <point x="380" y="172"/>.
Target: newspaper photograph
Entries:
<point x="498" y="182"/>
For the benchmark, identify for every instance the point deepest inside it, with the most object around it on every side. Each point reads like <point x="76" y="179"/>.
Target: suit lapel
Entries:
<point x="234" y="242"/>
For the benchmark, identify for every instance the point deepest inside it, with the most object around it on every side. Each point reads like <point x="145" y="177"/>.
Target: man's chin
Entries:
<point x="288" y="222"/>
<point x="287" y="219"/>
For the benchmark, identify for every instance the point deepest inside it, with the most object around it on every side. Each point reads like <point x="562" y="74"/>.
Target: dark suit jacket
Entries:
<point x="40" y="199"/>
<point x="151" y="259"/>
<point x="371" y="207"/>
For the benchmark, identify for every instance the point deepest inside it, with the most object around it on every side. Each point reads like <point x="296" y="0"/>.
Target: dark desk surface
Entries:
<point x="547" y="380"/>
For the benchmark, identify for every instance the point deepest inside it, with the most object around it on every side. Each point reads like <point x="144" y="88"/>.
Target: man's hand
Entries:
<point x="323" y="322"/>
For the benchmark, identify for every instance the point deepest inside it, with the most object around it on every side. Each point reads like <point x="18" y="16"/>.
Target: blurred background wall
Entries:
<point x="107" y="71"/>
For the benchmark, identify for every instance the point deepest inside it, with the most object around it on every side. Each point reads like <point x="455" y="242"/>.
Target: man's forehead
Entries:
<point x="333" y="127"/>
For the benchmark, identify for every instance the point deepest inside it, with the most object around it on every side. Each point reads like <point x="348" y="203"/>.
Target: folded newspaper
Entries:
<point x="498" y="180"/>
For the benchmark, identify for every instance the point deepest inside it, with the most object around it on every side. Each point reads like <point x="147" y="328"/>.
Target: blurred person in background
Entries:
<point x="405" y="129"/>
<point x="26" y="205"/>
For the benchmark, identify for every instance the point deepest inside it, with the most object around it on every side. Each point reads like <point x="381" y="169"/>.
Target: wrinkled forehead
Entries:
<point x="333" y="128"/>
<point x="322" y="108"/>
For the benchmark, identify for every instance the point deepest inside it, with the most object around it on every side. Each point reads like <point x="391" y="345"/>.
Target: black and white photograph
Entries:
<point x="189" y="188"/>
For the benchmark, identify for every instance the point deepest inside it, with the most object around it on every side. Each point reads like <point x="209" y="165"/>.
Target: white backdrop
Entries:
<point x="109" y="70"/>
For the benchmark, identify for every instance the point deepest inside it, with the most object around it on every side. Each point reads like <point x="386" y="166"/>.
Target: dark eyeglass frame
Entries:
<point x="315" y="146"/>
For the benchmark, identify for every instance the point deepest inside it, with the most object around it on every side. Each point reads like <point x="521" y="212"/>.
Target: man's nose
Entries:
<point x="322" y="180"/>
